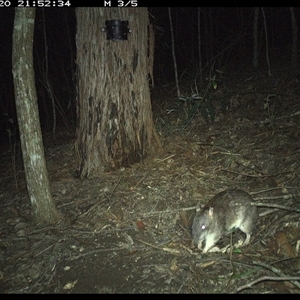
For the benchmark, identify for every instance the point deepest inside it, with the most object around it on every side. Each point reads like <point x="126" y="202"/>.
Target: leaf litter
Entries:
<point x="129" y="230"/>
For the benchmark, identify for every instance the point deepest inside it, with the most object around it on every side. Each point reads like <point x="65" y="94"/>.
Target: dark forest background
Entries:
<point x="226" y="46"/>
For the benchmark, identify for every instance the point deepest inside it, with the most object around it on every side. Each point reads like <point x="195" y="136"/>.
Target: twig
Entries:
<point x="272" y="205"/>
<point x="161" y="160"/>
<point x="269" y="278"/>
<point x="174" y="211"/>
<point x="272" y="189"/>
<point x="44" y="250"/>
<point x="255" y="176"/>
<point x="115" y="187"/>
<point x="259" y="204"/>
<point x="107" y="199"/>
<point x="93" y="252"/>
<point x="147" y="173"/>
<point x="280" y="197"/>
<point x="181" y="286"/>
<point x="173" y="251"/>
<point x="276" y="271"/>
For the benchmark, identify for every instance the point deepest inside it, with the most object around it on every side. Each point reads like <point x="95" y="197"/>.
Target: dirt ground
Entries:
<point x="129" y="230"/>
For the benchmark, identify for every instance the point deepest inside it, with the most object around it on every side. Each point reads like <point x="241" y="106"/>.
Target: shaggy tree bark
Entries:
<point x="43" y="207"/>
<point x="115" y="126"/>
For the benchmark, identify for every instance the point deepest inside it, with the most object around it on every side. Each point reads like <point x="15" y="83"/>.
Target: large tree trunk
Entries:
<point x="115" y="126"/>
<point x="43" y="208"/>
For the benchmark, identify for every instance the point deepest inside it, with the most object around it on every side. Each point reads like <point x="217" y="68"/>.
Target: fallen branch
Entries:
<point x="170" y="250"/>
<point x="268" y="278"/>
<point x="173" y="211"/>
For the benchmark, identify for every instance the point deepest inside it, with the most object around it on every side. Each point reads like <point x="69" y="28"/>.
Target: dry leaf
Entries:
<point x="70" y="285"/>
<point x="140" y="225"/>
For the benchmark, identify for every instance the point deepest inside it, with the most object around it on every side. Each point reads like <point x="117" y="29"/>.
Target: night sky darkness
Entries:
<point x="223" y="30"/>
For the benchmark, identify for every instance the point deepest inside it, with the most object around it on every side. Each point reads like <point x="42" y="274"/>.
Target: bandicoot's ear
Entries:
<point x="210" y="212"/>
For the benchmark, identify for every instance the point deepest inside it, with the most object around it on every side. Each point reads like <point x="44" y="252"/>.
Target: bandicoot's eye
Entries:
<point x="203" y="227"/>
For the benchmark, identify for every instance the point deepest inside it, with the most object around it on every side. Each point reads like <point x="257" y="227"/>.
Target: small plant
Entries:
<point x="270" y="110"/>
<point x="195" y="104"/>
<point x="204" y="105"/>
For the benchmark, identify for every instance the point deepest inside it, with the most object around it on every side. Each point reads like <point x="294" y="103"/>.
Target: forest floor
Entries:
<point x="129" y="230"/>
